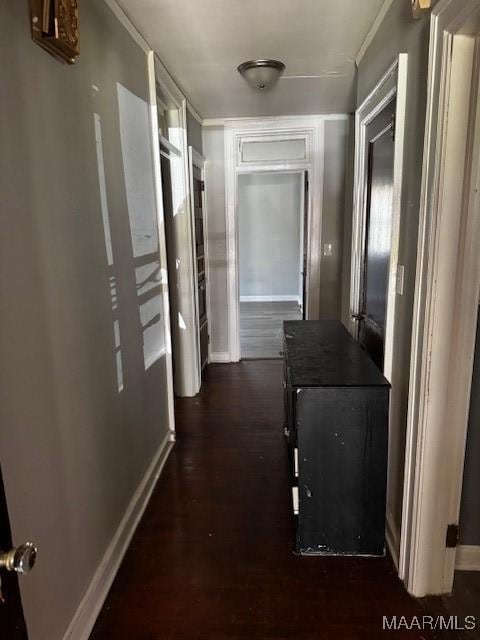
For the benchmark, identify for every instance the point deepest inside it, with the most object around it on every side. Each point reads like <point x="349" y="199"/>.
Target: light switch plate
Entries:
<point x="400" y="279"/>
<point x="328" y="249"/>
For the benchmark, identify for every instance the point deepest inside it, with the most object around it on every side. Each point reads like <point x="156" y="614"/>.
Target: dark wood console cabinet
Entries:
<point x="336" y="426"/>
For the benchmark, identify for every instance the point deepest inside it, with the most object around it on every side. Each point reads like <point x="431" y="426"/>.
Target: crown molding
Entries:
<point x="222" y="122"/>
<point x="373" y="30"/>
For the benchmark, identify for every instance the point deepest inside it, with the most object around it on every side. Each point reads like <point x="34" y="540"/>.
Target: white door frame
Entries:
<point x="446" y="302"/>
<point x="187" y="377"/>
<point x="162" y="240"/>
<point x="312" y="128"/>
<point x="393" y="84"/>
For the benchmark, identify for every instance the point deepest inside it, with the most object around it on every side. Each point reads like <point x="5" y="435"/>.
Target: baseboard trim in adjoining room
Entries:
<point x="282" y="298"/>
<point x="219" y="356"/>
<point x="89" y="608"/>
<point x="468" y="557"/>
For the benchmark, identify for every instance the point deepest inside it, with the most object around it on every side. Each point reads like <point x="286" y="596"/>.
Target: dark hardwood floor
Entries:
<point x="213" y="556"/>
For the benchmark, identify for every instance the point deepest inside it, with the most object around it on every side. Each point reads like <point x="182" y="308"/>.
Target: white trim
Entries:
<point x="400" y="114"/>
<point x="171" y="147"/>
<point x="235" y="130"/>
<point x="445" y="305"/>
<point x="91" y="604"/>
<point x="231" y="245"/>
<point x="219" y="356"/>
<point x="222" y="122"/>
<point x="467" y="557"/>
<point x="392" y="535"/>
<point x="126" y="22"/>
<point x="392" y="84"/>
<point x="271" y="298"/>
<point x="373" y="30"/>
<point x="194" y="113"/>
<point x="301" y="251"/>
<point x="188" y="370"/>
<point x="162" y="239"/>
<point x="197" y="159"/>
<point x="167" y="83"/>
<point x="193" y="378"/>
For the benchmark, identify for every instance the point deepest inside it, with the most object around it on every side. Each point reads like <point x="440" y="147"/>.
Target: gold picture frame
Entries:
<point x="55" y="27"/>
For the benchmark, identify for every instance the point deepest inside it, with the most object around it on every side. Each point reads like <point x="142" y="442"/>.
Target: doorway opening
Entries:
<point x="272" y="253"/>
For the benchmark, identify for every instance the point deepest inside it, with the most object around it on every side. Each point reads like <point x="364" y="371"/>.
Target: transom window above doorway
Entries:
<point x="273" y="149"/>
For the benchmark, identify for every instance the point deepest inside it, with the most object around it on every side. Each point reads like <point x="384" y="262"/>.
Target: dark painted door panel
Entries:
<point x="378" y="233"/>
<point x="12" y="622"/>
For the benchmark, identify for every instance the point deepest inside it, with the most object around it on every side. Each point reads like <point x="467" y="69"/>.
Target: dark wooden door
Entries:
<point x="378" y="235"/>
<point x="12" y="622"/>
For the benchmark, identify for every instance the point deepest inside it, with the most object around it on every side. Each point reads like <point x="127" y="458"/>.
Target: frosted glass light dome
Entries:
<point x="261" y="74"/>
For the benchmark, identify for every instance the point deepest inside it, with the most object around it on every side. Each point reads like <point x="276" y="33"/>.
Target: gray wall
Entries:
<point x="334" y="205"/>
<point x="74" y="447"/>
<point x="269" y="212"/>
<point x="470" y="510"/>
<point x="399" y="33"/>
<point x="194" y="133"/>
<point x="333" y="217"/>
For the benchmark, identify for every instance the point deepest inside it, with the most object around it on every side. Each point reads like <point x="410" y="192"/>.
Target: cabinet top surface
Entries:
<point x="322" y="353"/>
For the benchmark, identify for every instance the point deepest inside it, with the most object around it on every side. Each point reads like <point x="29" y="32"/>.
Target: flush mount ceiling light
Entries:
<point x="261" y="74"/>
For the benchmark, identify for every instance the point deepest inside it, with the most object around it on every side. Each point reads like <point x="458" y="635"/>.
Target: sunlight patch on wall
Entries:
<point x="108" y="248"/>
<point x="139" y="185"/>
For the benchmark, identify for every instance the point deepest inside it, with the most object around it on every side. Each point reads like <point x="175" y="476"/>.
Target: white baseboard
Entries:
<point x="84" y="619"/>
<point x="468" y="557"/>
<point x="219" y="356"/>
<point x="393" y="539"/>
<point x="286" y="298"/>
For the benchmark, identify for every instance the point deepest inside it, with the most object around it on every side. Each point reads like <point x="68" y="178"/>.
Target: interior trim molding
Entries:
<point x="194" y="113"/>
<point x="126" y="21"/>
<point x="313" y="131"/>
<point x="221" y="122"/>
<point x="280" y="298"/>
<point x="161" y="234"/>
<point x="446" y="279"/>
<point x="87" y="612"/>
<point x="219" y="356"/>
<point x="467" y="557"/>
<point x="392" y="535"/>
<point x="373" y="31"/>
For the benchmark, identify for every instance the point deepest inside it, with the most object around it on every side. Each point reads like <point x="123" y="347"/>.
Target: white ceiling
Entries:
<point x="202" y="42"/>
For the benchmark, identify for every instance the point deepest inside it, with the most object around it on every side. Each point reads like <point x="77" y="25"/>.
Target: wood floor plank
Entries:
<point x="261" y="327"/>
<point x="213" y="556"/>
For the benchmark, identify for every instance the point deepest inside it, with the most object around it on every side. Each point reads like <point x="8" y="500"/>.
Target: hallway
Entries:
<point x="212" y="557"/>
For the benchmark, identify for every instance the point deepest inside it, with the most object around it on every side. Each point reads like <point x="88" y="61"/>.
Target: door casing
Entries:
<point x="312" y="129"/>
<point x="393" y="84"/>
<point x="446" y="300"/>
